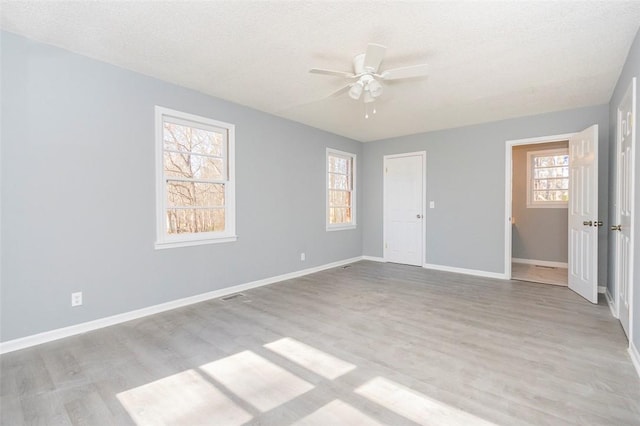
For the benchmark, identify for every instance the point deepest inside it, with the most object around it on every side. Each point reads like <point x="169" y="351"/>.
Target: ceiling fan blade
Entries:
<point x="340" y="91"/>
<point x="331" y="72"/>
<point x="406" y="72"/>
<point x="373" y="57"/>
<point x="302" y="105"/>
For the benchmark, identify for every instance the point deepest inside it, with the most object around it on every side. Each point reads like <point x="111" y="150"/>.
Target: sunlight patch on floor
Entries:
<point x="336" y="412"/>
<point x="256" y="380"/>
<point x="321" y="363"/>
<point x="183" y="398"/>
<point x="414" y="405"/>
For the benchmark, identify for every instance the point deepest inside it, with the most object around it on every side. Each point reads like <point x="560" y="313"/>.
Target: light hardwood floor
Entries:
<point x="539" y="274"/>
<point x="372" y="343"/>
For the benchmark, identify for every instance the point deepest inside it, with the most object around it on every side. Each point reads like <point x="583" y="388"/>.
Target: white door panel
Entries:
<point x="403" y="209"/>
<point x="583" y="213"/>
<point x="625" y="204"/>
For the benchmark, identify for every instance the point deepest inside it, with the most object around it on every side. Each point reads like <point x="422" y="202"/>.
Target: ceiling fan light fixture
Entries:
<point x="356" y="90"/>
<point x="368" y="98"/>
<point x="375" y="88"/>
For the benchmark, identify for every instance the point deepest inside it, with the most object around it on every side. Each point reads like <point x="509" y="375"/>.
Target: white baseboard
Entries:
<point x="541" y="263"/>
<point x="373" y="258"/>
<point x="48" y="336"/>
<point x="635" y="356"/>
<point x="611" y="303"/>
<point x="465" y="271"/>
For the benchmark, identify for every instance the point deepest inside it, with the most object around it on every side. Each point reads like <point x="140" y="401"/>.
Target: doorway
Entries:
<point x="404" y="208"/>
<point x="539" y="202"/>
<point x="582" y="209"/>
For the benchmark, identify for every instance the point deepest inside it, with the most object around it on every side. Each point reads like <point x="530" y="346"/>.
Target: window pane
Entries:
<point x="190" y="139"/>
<point x="560" y="184"/>
<point x="551" y="196"/>
<point x="338" y="165"/>
<point x="540" y="184"/>
<point x="340" y="184"/>
<point x="339" y="198"/>
<point x="562" y="160"/>
<point x="193" y="166"/>
<point x="551" y="172"/>
<point x="184" y="221"/>
<point x="560" y="195"/>
<point x="541" y="196"/>
<point x="551" y="184"/>
<point x="550" y="180"/>
<point x="196" y="194"/>
<point x="339" y="181"/>
<point x="551" y="160"/>
<point x="339" y="215"/>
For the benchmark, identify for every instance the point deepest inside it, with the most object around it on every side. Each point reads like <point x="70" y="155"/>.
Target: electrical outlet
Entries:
<point x="303" y="257"/>
<point x="76" y="299"/>
<point x="432" y="204"/>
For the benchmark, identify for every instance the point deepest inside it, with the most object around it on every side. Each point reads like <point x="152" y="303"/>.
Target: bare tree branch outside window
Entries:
<point x="194" y="170"/>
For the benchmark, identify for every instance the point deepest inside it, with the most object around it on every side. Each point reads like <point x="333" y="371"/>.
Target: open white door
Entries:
<point x="624" y="208"/>
<point x="583" y="213"/>
<point x="404" y="208"/>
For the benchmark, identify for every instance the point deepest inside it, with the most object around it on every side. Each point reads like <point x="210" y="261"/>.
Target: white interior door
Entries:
<point x="404" y="208"/>
<point x="583" y="213"/>
<point x="625" y="188"/>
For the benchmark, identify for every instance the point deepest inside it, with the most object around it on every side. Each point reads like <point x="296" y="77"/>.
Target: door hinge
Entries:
<point x="386" y="245"/>
<point x="386" y="170"/>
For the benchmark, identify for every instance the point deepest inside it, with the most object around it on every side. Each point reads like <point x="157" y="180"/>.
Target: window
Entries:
<point x="548" y="178"/>
<point x="195" y="199"/>
<point x="341" y="190"/>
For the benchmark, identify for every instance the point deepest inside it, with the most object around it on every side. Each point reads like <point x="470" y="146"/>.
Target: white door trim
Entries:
<point x="615" y="308"/>
<point x="632" y="284"/>
<point x="422" y="154"/>
<point x="508" y="188"/>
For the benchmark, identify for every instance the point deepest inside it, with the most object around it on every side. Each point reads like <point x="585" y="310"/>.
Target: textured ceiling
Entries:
<point x="488" y="60"/>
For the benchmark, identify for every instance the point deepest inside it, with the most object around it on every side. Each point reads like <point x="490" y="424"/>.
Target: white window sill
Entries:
<point x="340" y="227"/>
<point x="188" y="243"/>
<point x="548" y="206"/>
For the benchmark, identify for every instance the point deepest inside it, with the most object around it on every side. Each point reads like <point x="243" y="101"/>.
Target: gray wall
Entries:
<point x="631" y="69"/>
<point x="538" y="233"/>
<point x="466" y="179"/>
<point x="78" y="204"/>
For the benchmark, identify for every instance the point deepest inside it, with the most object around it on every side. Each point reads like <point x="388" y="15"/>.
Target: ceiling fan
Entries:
<point x="367" y="75"/>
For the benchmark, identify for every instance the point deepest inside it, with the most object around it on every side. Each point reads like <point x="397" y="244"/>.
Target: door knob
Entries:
<point x="616" y="227"/>
<point x="587" y="223"/>
<point x="598" y="223"/>
<point x="419" y="216"/>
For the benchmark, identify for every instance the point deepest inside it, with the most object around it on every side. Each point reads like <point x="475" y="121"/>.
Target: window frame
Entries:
<point x="531" y="203"/>
<point x="163" y="239"/>
<point x="353" y="223"/>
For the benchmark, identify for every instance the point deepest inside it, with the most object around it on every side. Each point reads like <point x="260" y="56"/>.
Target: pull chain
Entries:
<point x="366" y="110"/>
